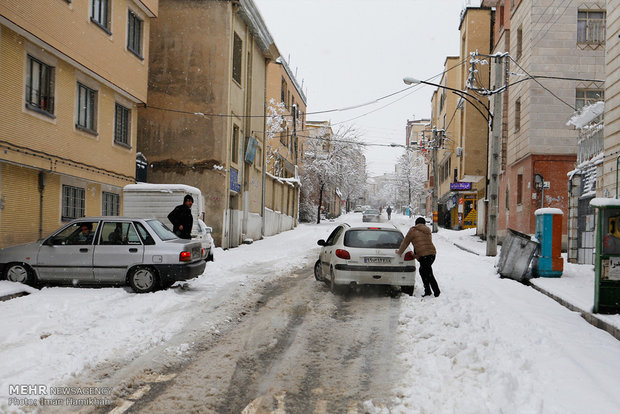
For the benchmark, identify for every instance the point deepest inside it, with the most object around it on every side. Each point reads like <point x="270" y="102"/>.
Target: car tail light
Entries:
<point x="185" y="256"/>
<point x="343" y="254"/>
<point x="202" y="252"/>
<point x="408" y="256"/>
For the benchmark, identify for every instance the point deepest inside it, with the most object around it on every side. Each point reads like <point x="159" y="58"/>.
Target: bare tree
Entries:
<point x="332" y="159"/>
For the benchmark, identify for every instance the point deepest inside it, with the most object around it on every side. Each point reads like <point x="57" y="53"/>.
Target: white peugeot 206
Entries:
<point x="365" y="255"/>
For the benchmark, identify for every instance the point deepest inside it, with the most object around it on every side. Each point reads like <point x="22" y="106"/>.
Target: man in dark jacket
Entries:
<point x="181" y="218"/>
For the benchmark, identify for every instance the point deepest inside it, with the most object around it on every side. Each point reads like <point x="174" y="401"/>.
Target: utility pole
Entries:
<point x="494" y="151"/>
<point x="435" y="148"/>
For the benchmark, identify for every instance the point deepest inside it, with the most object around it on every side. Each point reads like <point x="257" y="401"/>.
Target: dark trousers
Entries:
<point x="426" y="273"/>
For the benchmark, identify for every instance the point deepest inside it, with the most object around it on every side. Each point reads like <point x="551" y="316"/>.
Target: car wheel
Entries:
<point x="210" y="257"/>
<point x="142" y="279"/>
<point x="18" y="272"/>
<point x="317" y="270"/>
<point x="407" y="289"/>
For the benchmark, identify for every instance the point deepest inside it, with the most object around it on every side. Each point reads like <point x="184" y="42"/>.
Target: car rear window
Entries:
<point x="373" y="239"/>
<point x="161" y="230"/>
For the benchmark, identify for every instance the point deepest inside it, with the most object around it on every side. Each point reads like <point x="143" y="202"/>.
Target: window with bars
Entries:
<point x="134" y="34"/>
<point x="237" y="58"/>
<point x="520" y="189"/>
<point x="110" y="204"/>
<point x="86" y="108"/>
<point x="73" y="202"/>
<point x="39" y="85"/>
<point x="100" y="14"/>
<point x="121" y="125"/>
<point x="591" y="27"/>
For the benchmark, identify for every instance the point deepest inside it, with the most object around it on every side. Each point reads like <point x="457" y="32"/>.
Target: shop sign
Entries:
<point x="460" y="186"/>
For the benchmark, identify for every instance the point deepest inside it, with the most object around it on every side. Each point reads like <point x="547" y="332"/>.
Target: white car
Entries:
<point x="365" y="255"/>
<point x="371" y="215"/>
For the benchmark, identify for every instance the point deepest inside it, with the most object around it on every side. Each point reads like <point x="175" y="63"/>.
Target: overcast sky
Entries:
<point x="349" y="52"/>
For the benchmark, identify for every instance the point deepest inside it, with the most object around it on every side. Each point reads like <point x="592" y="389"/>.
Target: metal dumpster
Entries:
<point x="516" y="254"/>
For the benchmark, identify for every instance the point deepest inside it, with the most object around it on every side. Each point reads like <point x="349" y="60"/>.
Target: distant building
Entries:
<point x="72" y="76"/>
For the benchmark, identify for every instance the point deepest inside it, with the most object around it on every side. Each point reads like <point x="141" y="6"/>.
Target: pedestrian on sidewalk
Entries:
<point x="423" y="250"/>
<point x="389" y="212"/>
<point x="182" y="219"/>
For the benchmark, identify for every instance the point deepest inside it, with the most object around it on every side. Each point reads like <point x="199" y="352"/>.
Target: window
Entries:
<point x="134" y="34"/>
<point x="283" y="91"/>
<point x="237" y="56"/>
<point x="39" y="86"/>
<point x="72" y="202"/>
<point x="585" y="97"/>
<point x="591" y="27"/>
<point x="520" y="189"/>
<point x="121" y="125"/>
<point x="519" y="42"/>
<point x="86" y="108"/>
<point x="518" y="115"/>
<point x="118" y="233"/>
<point x="235" y="144"/>
<point x="100" y="14"/>
<point x="110" y="204"/>
<point x="501" y="14"/>
<point x="283" y="136"/>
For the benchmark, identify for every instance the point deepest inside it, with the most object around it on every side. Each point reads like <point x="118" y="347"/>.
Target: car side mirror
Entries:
<point x="321" y="242"/>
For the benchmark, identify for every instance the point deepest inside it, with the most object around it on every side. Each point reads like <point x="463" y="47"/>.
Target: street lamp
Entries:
<point x="493" y="181"/>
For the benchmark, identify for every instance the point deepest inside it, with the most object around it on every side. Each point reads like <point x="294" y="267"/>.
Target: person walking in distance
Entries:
<point x="389" y="212"/>
<point x="423" y="250"/>
<point x="181" y="218"/>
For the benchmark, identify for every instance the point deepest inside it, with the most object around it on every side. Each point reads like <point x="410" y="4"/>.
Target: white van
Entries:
<point x="158" y="200"/>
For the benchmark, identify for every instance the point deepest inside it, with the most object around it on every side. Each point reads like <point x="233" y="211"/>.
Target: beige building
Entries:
<point x="461" y="122"/>
<point x="286" y="101"/>
<point x="70" y="84"/>
<point x="206" y="115"/>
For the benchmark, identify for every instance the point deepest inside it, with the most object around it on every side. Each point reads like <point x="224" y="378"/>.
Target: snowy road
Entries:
<point x="298" y="349"/>
<point x="257" y="333"/>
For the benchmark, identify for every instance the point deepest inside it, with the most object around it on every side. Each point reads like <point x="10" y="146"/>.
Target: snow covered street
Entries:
<point x="486" y="345"/>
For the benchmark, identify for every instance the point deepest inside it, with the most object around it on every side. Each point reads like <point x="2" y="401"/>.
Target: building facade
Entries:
<point x="206" y="115"/>
<point x="70" y="85"/>
<point x="461" y="125"/>
<point x="556" y="58"/>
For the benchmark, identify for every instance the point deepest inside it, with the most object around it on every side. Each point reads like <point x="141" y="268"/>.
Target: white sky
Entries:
<point x="349" y="52"/>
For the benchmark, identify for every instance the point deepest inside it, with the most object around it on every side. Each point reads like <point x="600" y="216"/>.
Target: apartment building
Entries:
<point x="205" y="121"/>
<point x="72" y="75"/>
<point x="461" y="124"/>
<point x="286" y="106"/>
<point x="557" y="52"/>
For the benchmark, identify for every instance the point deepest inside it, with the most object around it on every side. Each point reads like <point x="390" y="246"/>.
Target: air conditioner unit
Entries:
<point x="459" y="151"/>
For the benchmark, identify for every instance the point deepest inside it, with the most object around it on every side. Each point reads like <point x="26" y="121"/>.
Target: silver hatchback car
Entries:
<point x="141" y="253"/>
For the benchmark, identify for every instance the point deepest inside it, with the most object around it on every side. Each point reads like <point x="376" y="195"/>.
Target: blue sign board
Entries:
<point x="250" y="152"/>
<point x="460" y="186"/>
<point x="234" y="177"/>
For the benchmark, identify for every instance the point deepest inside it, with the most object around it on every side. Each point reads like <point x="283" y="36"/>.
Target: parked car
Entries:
<point x="365" y="255"/>
<point x="141" y="253"/>
<point x="158" y="200"/>
<point x="371" y="215"/>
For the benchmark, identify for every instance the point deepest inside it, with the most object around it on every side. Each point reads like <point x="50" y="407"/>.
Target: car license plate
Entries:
<point x="377" y="260"/>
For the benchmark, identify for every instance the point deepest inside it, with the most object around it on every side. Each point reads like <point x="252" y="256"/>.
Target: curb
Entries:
<point x="13" y="296"/>
<point x="591" y="318"/>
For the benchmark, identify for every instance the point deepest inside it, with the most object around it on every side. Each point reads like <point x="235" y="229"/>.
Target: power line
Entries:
<point x="542" y="86"/>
